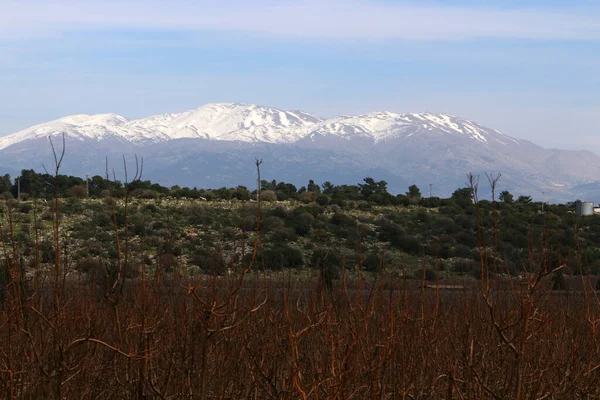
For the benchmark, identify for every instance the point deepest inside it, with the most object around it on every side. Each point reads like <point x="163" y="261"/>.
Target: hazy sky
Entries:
<point x="528" y="68"/>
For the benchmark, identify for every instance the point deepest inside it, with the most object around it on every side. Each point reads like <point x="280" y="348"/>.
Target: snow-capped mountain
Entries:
<point x="216" y="144"/>
<point x="218" y="121"/>
<point x="382" y="126"/>
<point x="81" y="127"/>
<point x="254" y="124"/>
<point x="227" y="121"/>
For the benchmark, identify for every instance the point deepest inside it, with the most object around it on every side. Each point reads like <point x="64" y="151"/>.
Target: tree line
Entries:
<point x="30" y="184"/>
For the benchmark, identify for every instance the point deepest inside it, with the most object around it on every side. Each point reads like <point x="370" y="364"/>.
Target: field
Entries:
<point x="172" y="298"/>
<point x="250" y="337"/>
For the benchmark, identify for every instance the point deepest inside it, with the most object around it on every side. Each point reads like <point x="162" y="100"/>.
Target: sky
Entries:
<point x="529" y="68"/>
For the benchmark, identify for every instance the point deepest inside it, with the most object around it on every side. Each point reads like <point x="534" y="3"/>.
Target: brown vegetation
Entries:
<point x="243" y="336"/>
<point x="220" y="338"/>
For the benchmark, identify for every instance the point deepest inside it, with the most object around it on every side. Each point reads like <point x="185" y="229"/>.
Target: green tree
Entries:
<point x="266" y="185"/>
<point x="285" y="191"/>
<point x="322" y="199"/>
<point x="5" y="184"/>
<point x="413" y="191"/>
<point x="371" y="187"/>
<point x="241" y="193"/>
<point x="506" y="197"/>
<point x="34" y="184"/>
<point x="313" y="187"/>
<point x="463" y="197"/>
<point x="463" y="194"/>
<point x="98" y="184"/>
<point x="524" y="199"/>
<point x="346" y="192"/>
<point x="328" y="187"/>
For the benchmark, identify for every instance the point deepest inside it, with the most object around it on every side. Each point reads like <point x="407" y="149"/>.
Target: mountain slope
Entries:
<point x="227" y="121"/>
<point x="215" y="145"/>
<point x="80" y="127"/>
<point x="384" y="126"/>
<point x="218" y="121"/>
<point x="256" y="124"/>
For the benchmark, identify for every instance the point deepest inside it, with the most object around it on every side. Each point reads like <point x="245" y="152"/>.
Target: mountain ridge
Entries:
<point x="248" y="123"/>
<point x="216" y="145"/>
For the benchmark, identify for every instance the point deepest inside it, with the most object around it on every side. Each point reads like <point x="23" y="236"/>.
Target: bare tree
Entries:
<point x="473" y="184"/>
<point x="122" y="243"/>
<point x="493" y="180"/>
<point x="58" y="159"/>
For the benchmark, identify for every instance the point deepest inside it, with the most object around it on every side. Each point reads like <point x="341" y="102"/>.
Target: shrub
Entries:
<point x="79" y="191"/>
<point x="208" y="260"/>
<point x="344" y="220"/>
<point x="277" y="258"/>
<point x="327" y="261"/>
<point x="364" y="205"/>
<point x="268" y="195"/>
<point x="272" y="223"/>
<point x="283" y="235"/>
<point x="407" y="243"/>
<point x="375" y="262"/>
<point x="302" y="223"/>
<point x="324" y="256"/>
<point x="308" y="197"/>
<point x="278" y="212"/>
<point x="558" y="281"/>
<point x="25" y="208"/>
<point x="90" y="265"/>
<point x="425" y="274"/>
<point x="322" y="200"/>
<point x="465" y="266"/>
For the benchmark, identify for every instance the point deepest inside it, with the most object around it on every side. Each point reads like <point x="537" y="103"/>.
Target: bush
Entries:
<point x="375" y="262"/>
<point x="327" y="261"/>
<point x="323" y="257"/>
<point x="208" y="260"/>
<point x="322" y="200"/>
<point x="277" y="258"/>
<point x="465" y="266"/>
<point x="272" y="223"/>
<point x="281" y="235"/>
<point x="25" y="208"/>
<point x="79" y="191"/>
<point x="268" y="195"/>
<point x="558" y="281"/>
<point x="308" y="197"/>
<point x="92" y="266"/>
<point x="425" y="274"/>
<point x="364" y="205"/>
<point x="302" y="223"/>
<point x="343" y="220"/>
<point x="407" y="243"/>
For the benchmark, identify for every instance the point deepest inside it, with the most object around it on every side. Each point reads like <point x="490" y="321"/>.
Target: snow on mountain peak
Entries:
<point x="229" y="121"/>
<point x="81" y="127"/>
<point x="90" y="120"/>
<point x="383" y="125"/>
<point x="455" y="125"/>
<point x="253" y="123"/>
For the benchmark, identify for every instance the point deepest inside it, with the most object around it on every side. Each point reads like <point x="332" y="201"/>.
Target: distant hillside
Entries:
<point x="216" y="144"/>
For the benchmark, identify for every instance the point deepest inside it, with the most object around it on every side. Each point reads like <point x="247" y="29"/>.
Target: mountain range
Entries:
<point x="216" y="145"/>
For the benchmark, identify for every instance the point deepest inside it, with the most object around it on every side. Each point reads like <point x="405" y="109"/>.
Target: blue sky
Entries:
<point x="528" y="68"/>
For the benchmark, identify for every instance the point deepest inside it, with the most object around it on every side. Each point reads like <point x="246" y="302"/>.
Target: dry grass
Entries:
<point x="219" y="338"/>
<point x="171" y="337"/>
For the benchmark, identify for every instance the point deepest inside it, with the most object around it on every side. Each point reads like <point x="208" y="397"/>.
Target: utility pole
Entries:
<point x="18" y="189"/>
<point x="430" y="189"/>
<point x="87" y="186"/>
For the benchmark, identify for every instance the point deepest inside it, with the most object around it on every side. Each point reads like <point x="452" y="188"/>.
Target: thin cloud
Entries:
<point x="312" y="19"/>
